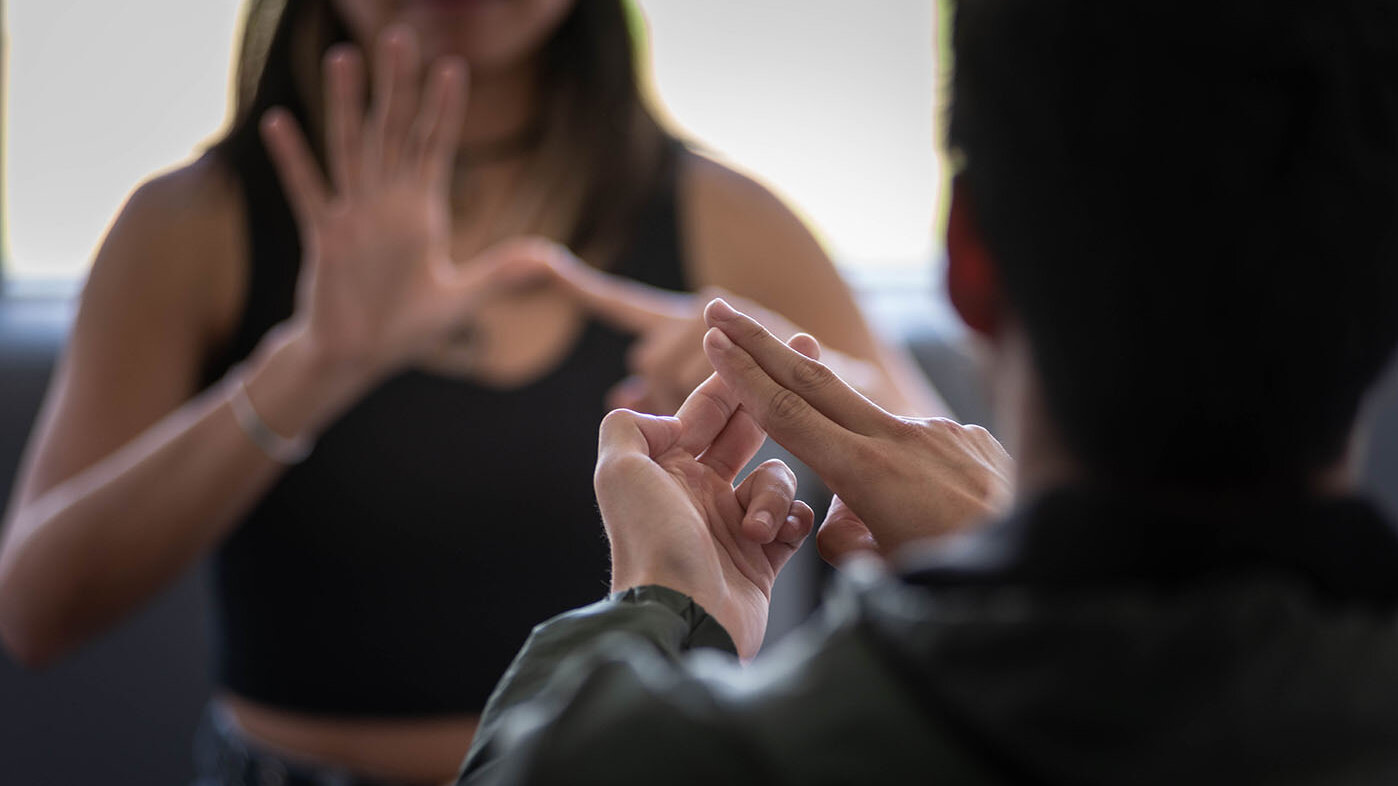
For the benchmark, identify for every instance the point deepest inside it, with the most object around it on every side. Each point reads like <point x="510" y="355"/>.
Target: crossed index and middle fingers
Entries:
<point x="799" y="401"/>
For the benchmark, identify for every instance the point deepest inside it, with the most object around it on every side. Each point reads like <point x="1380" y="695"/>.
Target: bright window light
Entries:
<point x="830" y="102"/>
<point x="827" y="101"/>
<point x="102" y="94"/>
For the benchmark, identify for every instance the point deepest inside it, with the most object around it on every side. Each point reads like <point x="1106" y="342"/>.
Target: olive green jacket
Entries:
<point x="1069" y="644"/>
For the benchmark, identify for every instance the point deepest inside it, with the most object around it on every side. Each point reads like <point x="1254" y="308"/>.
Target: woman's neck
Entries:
<point x="500" y="105"/>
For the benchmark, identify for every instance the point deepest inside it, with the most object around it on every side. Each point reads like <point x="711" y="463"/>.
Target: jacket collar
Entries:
<point x="1078" y="537"/>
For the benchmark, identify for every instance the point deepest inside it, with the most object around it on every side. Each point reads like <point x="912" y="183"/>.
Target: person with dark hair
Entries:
<point x="1177" y="234"/>
<point x="317" y="354"/>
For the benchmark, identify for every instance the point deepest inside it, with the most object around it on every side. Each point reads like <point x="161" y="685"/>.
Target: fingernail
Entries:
<point x="720" y="309"/>
<point x="719" y="339"/>
<point x="764" y="519"/>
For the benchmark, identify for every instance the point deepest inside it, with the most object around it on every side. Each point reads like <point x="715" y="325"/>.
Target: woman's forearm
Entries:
<point x="77" y="556"/>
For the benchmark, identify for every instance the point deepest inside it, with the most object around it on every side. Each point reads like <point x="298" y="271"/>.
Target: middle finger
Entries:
<point x="395" y="100"/>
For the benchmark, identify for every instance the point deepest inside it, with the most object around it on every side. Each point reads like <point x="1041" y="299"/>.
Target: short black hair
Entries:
<point x="1194" y="211"/>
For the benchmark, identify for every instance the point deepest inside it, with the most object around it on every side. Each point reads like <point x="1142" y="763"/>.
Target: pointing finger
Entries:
<point x="624" y="304"/>
<point x="825" y="446"/>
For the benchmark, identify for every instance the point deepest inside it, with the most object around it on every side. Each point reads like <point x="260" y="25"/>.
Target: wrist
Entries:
<point x="297" y="388"/>
<point x="712" y="598"/>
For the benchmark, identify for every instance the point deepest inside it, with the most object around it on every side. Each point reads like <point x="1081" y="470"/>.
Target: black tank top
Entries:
<point x="399" y="568"/>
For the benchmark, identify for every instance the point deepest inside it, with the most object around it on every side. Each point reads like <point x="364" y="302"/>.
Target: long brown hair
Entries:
<point x="601" y="149"/>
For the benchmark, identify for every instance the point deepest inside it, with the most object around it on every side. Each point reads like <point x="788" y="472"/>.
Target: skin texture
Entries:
<point x="899" y="479"/>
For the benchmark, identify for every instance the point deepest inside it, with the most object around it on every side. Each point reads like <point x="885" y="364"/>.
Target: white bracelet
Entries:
<point x="278" y="448"/>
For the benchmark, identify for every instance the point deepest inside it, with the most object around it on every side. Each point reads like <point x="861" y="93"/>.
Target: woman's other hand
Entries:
<point x="378" y="288"/>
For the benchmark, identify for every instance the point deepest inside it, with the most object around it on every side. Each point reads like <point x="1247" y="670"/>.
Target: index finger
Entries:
<point x="627" y="305"/>
<point x="811" y="381"/>
<point x="824" y="445"/>
<point x="743" y="436"/>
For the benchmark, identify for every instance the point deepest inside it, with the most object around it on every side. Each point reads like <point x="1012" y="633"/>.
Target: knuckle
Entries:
<point x="908" y="428"/>
<point x="778" y="477"/>
<point x="786" y="405"/>
<point x="812" y="376"/>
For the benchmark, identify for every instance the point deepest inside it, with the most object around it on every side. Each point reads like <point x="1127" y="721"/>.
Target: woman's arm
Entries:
<point x="740" y="237"/>
<point x="126" y="480"/>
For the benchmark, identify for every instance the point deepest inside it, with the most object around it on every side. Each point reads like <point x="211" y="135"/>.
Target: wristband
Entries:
<point x="277" y="448"/>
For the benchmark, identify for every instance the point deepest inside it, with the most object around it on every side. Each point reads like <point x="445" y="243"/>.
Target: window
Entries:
<point x="100" y="95"/>
<point x="828" y="101"/>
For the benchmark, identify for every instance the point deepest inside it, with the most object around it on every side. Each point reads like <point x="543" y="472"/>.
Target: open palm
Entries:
<point x="378" y="286"/>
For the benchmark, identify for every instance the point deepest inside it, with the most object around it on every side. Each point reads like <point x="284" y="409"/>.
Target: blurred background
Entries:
<point x="830" y="103"/>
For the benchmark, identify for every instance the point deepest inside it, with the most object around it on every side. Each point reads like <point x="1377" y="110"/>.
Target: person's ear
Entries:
<point x="972" y="283"/>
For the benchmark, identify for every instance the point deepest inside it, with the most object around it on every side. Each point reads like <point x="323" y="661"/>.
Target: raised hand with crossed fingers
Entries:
<point x="674" y="517"/>
<point x="898" y="479"/>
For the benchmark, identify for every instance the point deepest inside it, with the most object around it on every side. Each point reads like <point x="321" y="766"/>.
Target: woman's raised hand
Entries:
<point x="378" y="287"/>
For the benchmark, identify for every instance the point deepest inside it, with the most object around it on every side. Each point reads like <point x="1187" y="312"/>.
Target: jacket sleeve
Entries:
<point x="644" y="688"/>
<point x="605" y="694"/>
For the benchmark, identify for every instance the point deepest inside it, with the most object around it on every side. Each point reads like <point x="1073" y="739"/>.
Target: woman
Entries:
<point x="356" y="401"/>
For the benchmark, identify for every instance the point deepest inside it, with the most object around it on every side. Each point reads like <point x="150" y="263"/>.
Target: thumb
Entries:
<point x="843" y="534"/>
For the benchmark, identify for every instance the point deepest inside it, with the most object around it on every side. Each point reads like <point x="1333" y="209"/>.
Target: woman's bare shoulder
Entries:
<point x="188" y="199"/>
<point x="737" y="230"/>
<point x="710" y="185"/>
<point x="179" y="243"/>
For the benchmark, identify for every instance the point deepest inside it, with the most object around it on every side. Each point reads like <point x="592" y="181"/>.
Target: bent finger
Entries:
<point x="792" y="534"/>
<point x="843" y="534"/>
<point x="800" y="520"/>
<point x="705" y="414"/>
<point x="767" y="495"/>
<point x="625" y="432"/>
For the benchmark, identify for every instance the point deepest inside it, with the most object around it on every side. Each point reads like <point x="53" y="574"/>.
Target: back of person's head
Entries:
<point x="1194" y="214"/>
